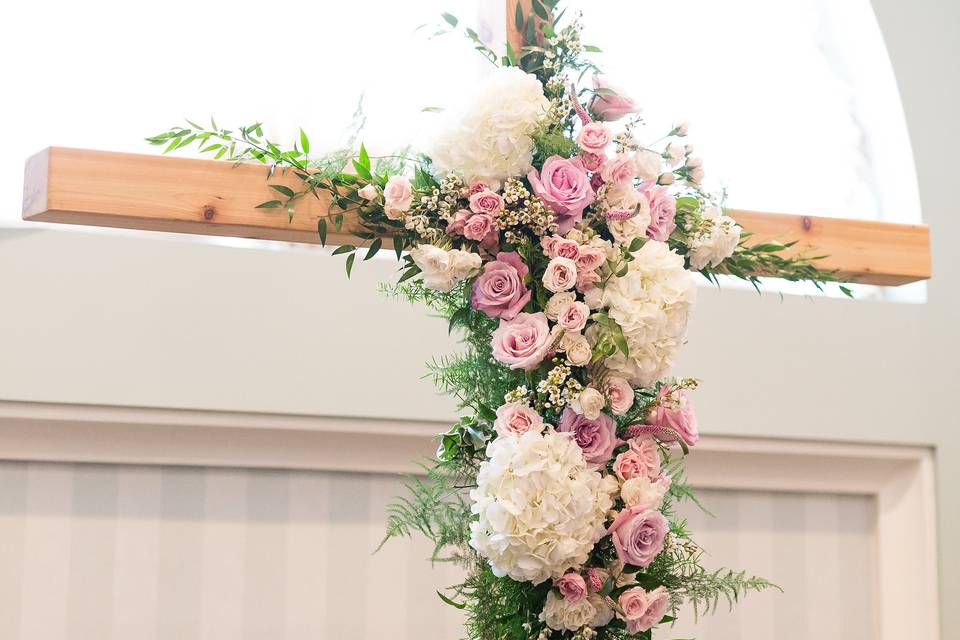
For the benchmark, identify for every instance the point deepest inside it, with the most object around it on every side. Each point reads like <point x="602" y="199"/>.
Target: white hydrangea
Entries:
<point x="715" y="240"/>
<point x="651" y="303"/>
<point x="442" y="269"/>
<point x="561" y="614"/>
<point x="540" y="509"/>
<point x="490" y="140"/>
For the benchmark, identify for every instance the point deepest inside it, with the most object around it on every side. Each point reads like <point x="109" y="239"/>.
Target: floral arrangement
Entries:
<point x="563" y="244"/>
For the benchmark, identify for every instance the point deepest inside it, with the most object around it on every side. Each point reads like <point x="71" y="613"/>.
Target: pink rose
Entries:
<point x="486" y="201"/>
<point x="478" y="226"/>
<point x="620" y="170"/>
<point x="587" y="280"/>
<point x="641" y="459"/>
<point x="572" y="586"/>
<point x="559" y="247"/>
<point x="597" y="438"/>
<point x="397" y="196"/>
<point x="594" y="137"/>
<point x="592" y="160"/>
<point x="560" y="275"/>
<point x="573" y="317"/>
<point x="516" y="419"/>
<point x="611" y="103"/>
<point x="675" y="411"/>
<point x="663" y="210"/>
<point x="563" y="185"/>
<point x="499" y="291"/>
<point x="638" y="535"/>
<point x="477" y="187"/>
<point x="620" y="395"/>
<point x="590" y="258"/>
<point x="491" y="241"/>
<point x="522" y="343"/>
<point x="642" y="609"/>
<point x="460" y="218"/>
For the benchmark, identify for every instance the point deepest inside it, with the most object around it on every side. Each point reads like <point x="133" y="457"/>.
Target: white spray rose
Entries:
<point x="715" y="240"/>
<point x="560" y="274"/>
<point x="589" y="403"/>
<point x="443" y="269"/>
<point x="641" y="492"/>
<point x="558" y="302"/>
<point x="578" y="351"/>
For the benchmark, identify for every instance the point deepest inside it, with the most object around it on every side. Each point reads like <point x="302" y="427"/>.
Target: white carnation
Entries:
<point x="490" y="140"/>
<point x="540" y="509"/>
<point x="715" y="240"/>
<point x="561" y="614"/>
<point x="651" y="303"/>
<point x="443" y="269"/>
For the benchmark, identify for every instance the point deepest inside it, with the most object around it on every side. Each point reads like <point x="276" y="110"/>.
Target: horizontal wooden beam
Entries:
<point x="208" y="197"/>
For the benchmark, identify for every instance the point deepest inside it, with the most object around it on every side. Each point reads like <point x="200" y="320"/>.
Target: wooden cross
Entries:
<point x="219" y="198"/>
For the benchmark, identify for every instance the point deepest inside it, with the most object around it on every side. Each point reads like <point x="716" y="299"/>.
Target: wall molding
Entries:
<point x="900" y="479"/>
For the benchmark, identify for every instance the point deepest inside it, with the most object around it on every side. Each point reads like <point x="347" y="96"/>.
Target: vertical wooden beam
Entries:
<point x="515" y="36"/>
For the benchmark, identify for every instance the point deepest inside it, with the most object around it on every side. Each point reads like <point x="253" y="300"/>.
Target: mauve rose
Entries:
<point x="611" y="104"/>
<point x="663" y="210"/>
<point x="563" y="186"/>
<point x="641" y="459"/>
<point x="516" y="419"/>
<point x="620" y="394"/>
<point x="486" y="201"/>
<point x="574" y="316"/>
<point x="522" y="343"/>
<point x="642" y="609"/>
<point x="560" y="275"/>
<point x="592" y="160"/>
<point x="559" y="247"/>
<point x="590" y="258"/>
<point x="594" y="137"/>
<point x="499" y="291"/>
<point x="572" y="586"/>
<point x="675" y="411"/>
<point x="397" y="196"/>
<point x="460" y="218"/>
<point x="597" y="438"/>
<point x="638" y="535"/>
<point x="478" y="226"/>
<point x="620" y="170"/>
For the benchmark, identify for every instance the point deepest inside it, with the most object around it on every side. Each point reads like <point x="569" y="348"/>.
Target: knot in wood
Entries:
<point x="208" y="213"/>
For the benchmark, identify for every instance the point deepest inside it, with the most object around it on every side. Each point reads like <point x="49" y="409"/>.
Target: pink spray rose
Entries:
<point x="486" y="201"/>
<point x="460" y="218"/>
<point x="594" y="137"/>
<point x="522" y="343"/>
<point x="642" y="609"/>
<point x="620" y="394"/>
<point x="559" y="247"/>
<point x="478" y="226"/>
<point x="563" y="186"/>
<point x="587" y="280"/>
<point x="638" y="535"/>
<point x="516" y="419"/>
<point x="612" y="104"/>
<point x="499" y="291"/>
<point x="477" y="187"/>
<point x="675" y="411"/>
<point x="397" y="196"/>
<point x="573" y="317"/>
<point x="641" y="459"/>
<point x="592" y="160"/>
<point x="590" y="258"/>
<point x="663" y="210"/>
<point x="572" y="586"/>
<point x="597" y="438"/>
<point x="560" y="275"/>
<point x="620" y="170"/>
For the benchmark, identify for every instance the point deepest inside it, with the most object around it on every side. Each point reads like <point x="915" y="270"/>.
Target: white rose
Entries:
<point x="369" y="192"/>
<point x="715" y="241"/>
<point x="560" y="275"/>
<point x="624" y="231"/>
<point x="442" y="269"/>
<point x="641" y="492"/>
<point x="593" y="297"/>
<point x="624" y="196"/>
<point x="589" y="403"/>
<point x="398" y="196"/>
<point x="558" y="302"/>
<point x="579" y="352"/>
<point x="648" y="164"/>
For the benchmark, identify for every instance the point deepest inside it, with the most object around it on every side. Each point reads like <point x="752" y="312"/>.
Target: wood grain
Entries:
<point x="209" y="197"/>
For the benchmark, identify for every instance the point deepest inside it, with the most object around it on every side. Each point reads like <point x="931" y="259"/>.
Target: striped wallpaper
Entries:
<point x="130" y="552"/>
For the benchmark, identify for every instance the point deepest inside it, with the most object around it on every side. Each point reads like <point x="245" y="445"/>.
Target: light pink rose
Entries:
<point x="597" y="438"/>
<point x="572" y="586"/>
<point x="620" y="170"/>
<point x="620" y="395"/>
<point x="499" y="291"/>
<point x="477" y="187"/>
<point x="559" y="247"/>
<point x="522" y="343"/>
<point x="460" y="218"/>
<point x="612" y="104"/>
<point x="592" y="160"/>
<point x="587" y="280"/>
<point x="574" y="316"/>
<point x="486" y="201"/>
<point x="590" y="258"/>
<point x="398" y="196"/>
<point x="516" y="419"/>
<point x="663" y="210"/>
<point x="675" y="411"/>
<point x="563" y="186"/>
<point x="491" y="241"/>
<point x="638" y="535"/>
<point x="641" y="459"/>
<point x="478" y="226"/>
<point x="642" y="609"/>
<point x="369" y="192"/>
<point x="594" y="137"/>
<point x="560" y="275"/>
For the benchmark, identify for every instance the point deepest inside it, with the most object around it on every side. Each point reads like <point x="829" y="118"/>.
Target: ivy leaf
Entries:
<point x="486" y="412"/>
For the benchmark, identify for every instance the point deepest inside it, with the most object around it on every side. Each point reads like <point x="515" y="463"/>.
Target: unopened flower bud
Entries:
<point x="666" y="178"/>
<point x="369" y="192"/>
